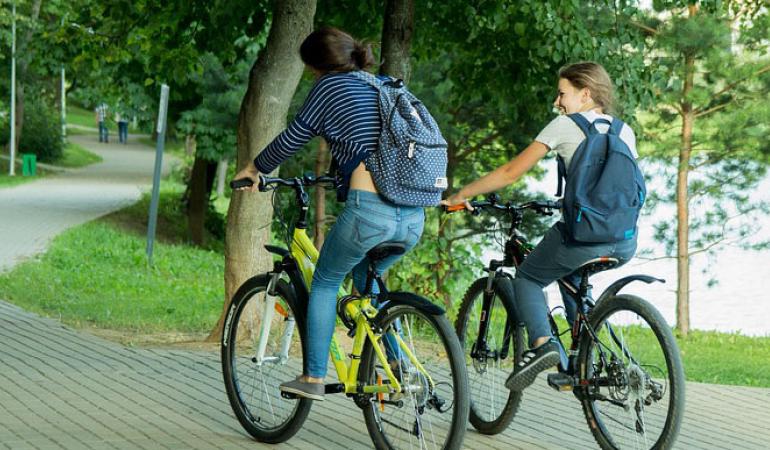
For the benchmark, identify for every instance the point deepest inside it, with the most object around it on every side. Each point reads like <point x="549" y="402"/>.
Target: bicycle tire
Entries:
<point x="643" y="324"/>
<point x="251" y="416"/>
<point x="492" y="423"/>
<point x="450" y="346"/>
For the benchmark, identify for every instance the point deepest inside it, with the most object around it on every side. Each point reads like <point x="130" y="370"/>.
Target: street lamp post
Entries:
<point x="12" y="144"/>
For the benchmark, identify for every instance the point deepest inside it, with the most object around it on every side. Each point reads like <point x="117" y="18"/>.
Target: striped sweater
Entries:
<point x="343" y="110"/>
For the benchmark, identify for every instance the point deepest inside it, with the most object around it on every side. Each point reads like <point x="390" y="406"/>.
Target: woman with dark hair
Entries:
<point x="343" y="109"/>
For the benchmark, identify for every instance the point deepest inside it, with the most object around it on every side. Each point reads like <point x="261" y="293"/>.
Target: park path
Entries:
<point x="62" y="388"/>
<point x="33" y="213"/>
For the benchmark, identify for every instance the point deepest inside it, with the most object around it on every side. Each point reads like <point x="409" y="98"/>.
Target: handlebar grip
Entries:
<point x="455" y="208"/>
<point x="241" y="183"/>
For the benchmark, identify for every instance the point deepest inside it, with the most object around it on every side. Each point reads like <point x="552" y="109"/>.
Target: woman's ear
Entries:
<point x="585" y="95"/>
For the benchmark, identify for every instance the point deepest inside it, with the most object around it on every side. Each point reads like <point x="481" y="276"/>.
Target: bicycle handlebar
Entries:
<point x="266" y="182"/>
<point x="543" y="207"/>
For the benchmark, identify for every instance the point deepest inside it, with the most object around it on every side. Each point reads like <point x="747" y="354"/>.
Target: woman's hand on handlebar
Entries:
<point x="251" y="173"/>
<point x="454" y="202"/>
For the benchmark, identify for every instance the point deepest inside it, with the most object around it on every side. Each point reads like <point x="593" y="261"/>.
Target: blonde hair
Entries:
<point x="591" y="75"/>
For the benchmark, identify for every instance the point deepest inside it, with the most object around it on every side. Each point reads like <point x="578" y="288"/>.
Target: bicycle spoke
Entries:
<point x="630" y="372"/>
<point x="421" y="415"/>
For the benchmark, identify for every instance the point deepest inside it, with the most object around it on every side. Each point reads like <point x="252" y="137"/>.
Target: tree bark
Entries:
<point x="682" y="198"/>
<point x="321" y="165"/>
<point x="23" y="57"/>
<point x="201" y="183"/>
<point x="397" y="29"/>
<point x="272" y="82"/>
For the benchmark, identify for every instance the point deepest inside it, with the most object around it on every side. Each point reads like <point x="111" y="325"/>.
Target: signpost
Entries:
<point x="160" y="143"/>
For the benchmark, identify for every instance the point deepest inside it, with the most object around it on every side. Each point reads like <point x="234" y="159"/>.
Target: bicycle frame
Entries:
<point x="516" y="249"/>
<point x="305" y="255"/>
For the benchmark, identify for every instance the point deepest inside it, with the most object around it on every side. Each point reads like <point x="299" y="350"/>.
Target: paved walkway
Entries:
<point x="32" y="213"/>
<point x="60" y="388"/>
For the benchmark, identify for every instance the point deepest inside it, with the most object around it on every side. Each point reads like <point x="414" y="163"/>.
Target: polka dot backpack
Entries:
<point x="409" y="167"/>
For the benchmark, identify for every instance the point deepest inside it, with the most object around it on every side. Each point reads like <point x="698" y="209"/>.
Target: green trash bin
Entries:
<point x="28" y="164"/>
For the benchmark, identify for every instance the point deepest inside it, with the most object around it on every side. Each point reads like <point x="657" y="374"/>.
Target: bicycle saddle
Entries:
<point x="384" y="250"/>
<point x="599" y="264"/>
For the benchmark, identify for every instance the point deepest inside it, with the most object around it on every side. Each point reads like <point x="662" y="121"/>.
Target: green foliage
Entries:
<point x="214" y="121"/>
<point x="42" y="131"/>
<point x="730" y="75"/>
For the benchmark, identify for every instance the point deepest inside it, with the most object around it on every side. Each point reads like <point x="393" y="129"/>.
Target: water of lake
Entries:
<point x="740" y="302"/>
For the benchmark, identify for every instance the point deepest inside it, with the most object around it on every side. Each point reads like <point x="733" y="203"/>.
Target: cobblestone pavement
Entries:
<point x="60" y="388"/>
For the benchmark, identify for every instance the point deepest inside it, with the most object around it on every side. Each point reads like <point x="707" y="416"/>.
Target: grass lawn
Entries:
<point x="77" y="156"/>
<point x="7" y="180"/>
<point x="96" y="275"/>
<point x="82" y="117"/>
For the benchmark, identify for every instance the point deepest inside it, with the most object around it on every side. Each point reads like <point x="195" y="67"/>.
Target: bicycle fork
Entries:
<point x="269" y="307"/>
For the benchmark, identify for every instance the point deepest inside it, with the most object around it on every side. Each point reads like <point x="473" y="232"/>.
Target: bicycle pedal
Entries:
<point x="334" y="388"/>
<point x="560" y="381"/>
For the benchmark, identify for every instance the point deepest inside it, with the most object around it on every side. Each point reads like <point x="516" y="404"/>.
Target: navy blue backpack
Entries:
<point x="604" y="188"/>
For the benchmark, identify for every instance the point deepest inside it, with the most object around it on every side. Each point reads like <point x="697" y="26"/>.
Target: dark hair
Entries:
<point x="591" y="75"/>
<point x="331" y="50"/>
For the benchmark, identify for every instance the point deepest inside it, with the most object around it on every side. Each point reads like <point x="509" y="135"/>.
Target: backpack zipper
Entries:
<point x="586" y="208"/>
<point x="411" y="150"/>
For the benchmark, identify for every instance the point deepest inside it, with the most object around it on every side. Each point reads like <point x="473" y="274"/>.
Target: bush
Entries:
<point x="41" y="134"/>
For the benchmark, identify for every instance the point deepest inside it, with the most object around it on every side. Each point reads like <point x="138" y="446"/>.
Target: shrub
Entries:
<point x="41" y="134"/>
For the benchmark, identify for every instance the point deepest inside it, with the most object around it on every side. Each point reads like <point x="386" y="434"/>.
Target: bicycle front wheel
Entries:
<point x="634" y="397"/>
<point x="491" y="352"/>
<point x="261" y="348"/>
<point x="431" y="410"/>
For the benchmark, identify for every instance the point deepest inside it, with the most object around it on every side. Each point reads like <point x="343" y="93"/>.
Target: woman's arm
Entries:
<point x="503" y="176"/>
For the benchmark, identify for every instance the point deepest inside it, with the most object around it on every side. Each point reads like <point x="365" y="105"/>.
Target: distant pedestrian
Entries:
<point x="122" y="128"/>
<point x="101" y="116"/>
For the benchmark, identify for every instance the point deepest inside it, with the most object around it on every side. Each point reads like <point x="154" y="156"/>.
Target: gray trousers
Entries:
<point x="551" y="260"/>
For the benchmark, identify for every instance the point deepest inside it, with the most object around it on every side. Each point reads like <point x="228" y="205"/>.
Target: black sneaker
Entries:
<point x="314" y="391"/>
<point x="533" y="362"/>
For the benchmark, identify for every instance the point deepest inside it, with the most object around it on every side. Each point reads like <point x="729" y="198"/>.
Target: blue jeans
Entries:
<point x="104" y="132"/>
<point x="549" y="261"/>
<point x="367" y="221"/>
<point x="123" y="132"/>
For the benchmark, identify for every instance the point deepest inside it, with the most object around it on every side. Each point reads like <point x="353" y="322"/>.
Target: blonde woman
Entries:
<point x="584" y="88"/>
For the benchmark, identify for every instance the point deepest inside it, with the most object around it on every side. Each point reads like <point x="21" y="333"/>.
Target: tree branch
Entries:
<point x="644" y="27"/>
<point x="462" y="155"/>
<point x="736" y="83"/>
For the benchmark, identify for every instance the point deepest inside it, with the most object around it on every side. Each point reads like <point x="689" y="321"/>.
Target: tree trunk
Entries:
<point x="190" y="144"/>
<point x="682" y="201"/>
<point x="24" y="57"/>
<point x="272" y="81"/>
<point x="321" y="165"/>
<point x="201" y="183"/>
<point x="683" y="228"/>
<point x="397" y="29"/>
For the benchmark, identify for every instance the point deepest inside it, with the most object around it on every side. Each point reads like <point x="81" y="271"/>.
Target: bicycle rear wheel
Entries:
<point x="252" y="383"/>
<point x="493" y="406"/>
<point x="635" y="392"/>
<point x="432" y="409"/>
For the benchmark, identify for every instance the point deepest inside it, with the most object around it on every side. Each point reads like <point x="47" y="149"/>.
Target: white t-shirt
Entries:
<point x="563" y="135"/>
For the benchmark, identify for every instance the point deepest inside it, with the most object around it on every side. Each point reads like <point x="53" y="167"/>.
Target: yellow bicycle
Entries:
<point x="406" y="369"/>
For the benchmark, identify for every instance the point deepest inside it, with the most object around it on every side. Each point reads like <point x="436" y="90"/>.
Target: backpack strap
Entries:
<point x="616" y="126"/>
<point x="561" y="175"/>
<point x="581" y="122"/>
<point x="376" y="81"/>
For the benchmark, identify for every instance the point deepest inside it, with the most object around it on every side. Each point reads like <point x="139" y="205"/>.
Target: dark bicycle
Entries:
<point x="622" y="363"/>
